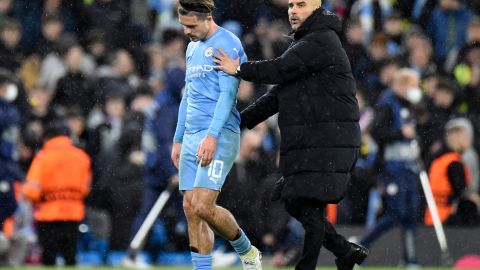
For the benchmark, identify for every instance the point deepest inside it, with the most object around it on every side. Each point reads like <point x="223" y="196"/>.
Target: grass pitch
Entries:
<point x="189" y="268"/>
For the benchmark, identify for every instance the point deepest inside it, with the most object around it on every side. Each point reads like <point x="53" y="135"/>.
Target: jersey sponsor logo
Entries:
<point x="199" y="71"/>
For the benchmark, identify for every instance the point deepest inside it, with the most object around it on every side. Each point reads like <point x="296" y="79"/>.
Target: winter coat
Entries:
<point x="318" y="111"/>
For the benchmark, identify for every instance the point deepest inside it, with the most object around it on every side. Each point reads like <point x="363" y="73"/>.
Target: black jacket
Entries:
<point x="318" y="111"/>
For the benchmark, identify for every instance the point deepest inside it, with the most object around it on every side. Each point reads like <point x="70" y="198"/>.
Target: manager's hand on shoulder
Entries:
<point x="226" y="63"/>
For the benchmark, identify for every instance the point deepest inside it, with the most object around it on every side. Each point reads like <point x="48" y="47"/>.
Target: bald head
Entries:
<point x="300" y="10"/>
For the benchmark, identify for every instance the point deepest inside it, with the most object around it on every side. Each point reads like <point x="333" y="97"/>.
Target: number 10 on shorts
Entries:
<point x="215" y="169"/>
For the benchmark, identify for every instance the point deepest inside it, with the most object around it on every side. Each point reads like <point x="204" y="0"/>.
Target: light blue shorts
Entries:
<point x="192" y="175"/>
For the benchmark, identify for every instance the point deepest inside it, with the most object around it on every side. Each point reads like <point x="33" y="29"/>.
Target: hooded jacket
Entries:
<point x="318" y="111"/>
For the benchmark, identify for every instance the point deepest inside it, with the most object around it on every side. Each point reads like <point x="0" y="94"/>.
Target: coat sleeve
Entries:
<point x="310" y="54"/>
<point x="261" y="109"/>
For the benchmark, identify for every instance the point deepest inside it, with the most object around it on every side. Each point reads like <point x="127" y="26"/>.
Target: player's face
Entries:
<point x="300" y="10"/>
<point x="194" y="28"/>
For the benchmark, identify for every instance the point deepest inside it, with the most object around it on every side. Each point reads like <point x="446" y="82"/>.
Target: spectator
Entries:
<point x="77" y="124"/>
<point x="372" y="15"/>
<point x="416" y="11"/>
<point x="159" y="171"/>
<point x="469" y="154"/>
<point x="6" y="11"/>
<point x="9" y="129"/>
<point x="53" y="66"/>
<point x="443" y="108"/>
<point x="354" y="207"/>
<point x="393" y="129"/>
<point x="454" y="14"/>
<point x="11" y="53"/>
<point x="355" y="49"/>
<point x="106" y="128"/>
<point x="449" y="177"/>
<point x="118" y="78"/>
<point x="158" y="63"/>
<point x="96" y="46"/>
<point x="421" y="58"/>
<point x="113" y="18"/>
<point x="52" y="28"/>
<point x="393" y="28"/>
<point x="74" y="88"/>
<point x="126" y="187"/>
<point x="57" y="183"/>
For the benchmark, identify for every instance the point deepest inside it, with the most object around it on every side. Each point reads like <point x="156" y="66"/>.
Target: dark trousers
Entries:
<point x="402" y="200"/>
<point x="318" y="232"/>
<point x="58" y="238"/>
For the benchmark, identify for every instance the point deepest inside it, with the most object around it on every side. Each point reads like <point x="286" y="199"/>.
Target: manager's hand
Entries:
<point x="176" y="149"/>
<point x="226" y="63"/>
<point x="206" y="150"/>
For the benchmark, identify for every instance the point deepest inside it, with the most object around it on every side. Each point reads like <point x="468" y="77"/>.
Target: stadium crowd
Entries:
<point x="112" y="71"/>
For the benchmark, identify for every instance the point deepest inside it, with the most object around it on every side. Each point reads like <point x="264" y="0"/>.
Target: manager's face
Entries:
<point x="300" y="10"/>
<point x="194" y="27"/>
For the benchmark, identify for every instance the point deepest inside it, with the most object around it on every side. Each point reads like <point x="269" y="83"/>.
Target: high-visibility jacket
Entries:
<point x="441" y="188"/>
<point x="58" y="181"/>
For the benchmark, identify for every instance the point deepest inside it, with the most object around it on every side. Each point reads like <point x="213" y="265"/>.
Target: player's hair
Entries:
<point x="199" y="8"/>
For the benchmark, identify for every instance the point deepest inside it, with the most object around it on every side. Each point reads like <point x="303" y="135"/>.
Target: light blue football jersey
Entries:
<point x="202" y="81"/>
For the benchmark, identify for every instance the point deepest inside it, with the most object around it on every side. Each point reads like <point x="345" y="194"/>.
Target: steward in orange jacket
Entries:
<point x="57" y="183"/>
<point x="448" y="175"/>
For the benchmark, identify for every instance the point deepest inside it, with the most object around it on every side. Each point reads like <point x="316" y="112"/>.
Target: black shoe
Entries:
<point x="356" y="255"/>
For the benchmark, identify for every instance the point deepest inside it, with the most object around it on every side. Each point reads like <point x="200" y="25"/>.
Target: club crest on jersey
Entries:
<point x="209" y="52"/>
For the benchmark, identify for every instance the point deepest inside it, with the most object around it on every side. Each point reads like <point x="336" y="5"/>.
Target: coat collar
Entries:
<point x="319" y="20"/>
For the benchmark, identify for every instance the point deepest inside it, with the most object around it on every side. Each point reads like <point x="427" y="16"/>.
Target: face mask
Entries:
<point x="11" y="93"/>
<point x="414" y="95"/>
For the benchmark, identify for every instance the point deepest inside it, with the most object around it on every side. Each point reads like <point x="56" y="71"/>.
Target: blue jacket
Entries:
<point x="9" y="132"/>
<point x="442" y="23"/>
<point x="392" y="114"/>
<point x="159" y="129"/>
<point x="9" y="169"/>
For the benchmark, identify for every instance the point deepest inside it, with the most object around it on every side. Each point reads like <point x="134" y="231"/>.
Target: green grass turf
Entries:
<point x="231" y="268"/>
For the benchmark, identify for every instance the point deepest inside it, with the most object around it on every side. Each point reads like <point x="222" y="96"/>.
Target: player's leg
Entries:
<point x="199" y="234"/>
<point x="219" y="218"/>
<point x="208" y="184"/>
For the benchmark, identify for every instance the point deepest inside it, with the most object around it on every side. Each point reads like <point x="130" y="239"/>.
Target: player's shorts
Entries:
<point x="192" y="175"/>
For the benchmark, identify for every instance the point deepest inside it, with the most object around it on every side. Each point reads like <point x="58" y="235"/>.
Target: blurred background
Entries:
<point x="111" y="69"/>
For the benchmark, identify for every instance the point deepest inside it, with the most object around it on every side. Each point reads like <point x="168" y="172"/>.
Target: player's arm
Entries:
<point x="180" y="130"/>
<point x="223" y="108"/>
